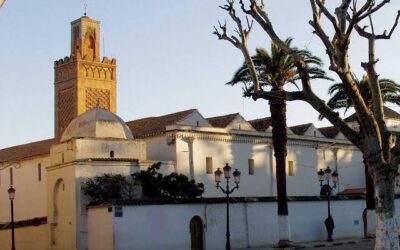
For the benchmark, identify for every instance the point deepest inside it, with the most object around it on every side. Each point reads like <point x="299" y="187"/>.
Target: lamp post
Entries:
<point x="236" y="178"/>
<point x="11" y="196"/>
<point x="326" y="190"/>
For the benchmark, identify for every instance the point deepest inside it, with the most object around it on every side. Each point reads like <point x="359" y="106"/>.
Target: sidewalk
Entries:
<point x="343" y="244"/>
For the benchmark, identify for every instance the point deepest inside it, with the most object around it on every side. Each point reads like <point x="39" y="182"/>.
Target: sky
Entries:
<point x="168" y="60"/>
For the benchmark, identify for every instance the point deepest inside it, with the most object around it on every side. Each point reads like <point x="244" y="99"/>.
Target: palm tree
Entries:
<point x="275" y="69"/>
<point x="339" y="99"/>
<point x="390" y="93"/>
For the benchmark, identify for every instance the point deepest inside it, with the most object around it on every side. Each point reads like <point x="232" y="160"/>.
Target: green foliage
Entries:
<point x="390" y="91"/>
<point x="150" y="180"/>
<point x="107" y="187"/>
<point x="179" y="186"/>
<point x="174" y="185"/>
<point x="275" y="68"/>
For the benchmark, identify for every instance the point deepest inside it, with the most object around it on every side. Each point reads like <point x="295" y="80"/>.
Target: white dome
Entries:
<point x="97" y="123"/>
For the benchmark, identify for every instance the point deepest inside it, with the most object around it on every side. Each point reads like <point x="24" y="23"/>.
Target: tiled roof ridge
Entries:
<point x="301" y="125"/>
<point x="329" y="132"/>
<point x="222" y="121"/>
<point x="162" y="116"/>
<point x="301" y="128"/>
<point x="261" y="124"/>
<point x="156" y="125"/>
<point x="260" y="119"/>
<point x="26" y="150"/>
<point x="222" y="116"/>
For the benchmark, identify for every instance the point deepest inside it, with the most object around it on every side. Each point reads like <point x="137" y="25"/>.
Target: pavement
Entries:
<point x="344" y="244"/>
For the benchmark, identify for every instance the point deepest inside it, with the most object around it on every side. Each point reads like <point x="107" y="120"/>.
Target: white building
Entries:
<point x="50" y="209"/>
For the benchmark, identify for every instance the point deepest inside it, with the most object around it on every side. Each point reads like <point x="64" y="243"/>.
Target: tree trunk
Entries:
<point x="386" y="224"/>
<point x="279" y="140"/>
<point x="370" y="202"/>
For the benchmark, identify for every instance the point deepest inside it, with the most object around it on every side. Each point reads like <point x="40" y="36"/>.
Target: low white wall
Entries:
<point x="102" y="235"/>
<point x="252" y="224"/>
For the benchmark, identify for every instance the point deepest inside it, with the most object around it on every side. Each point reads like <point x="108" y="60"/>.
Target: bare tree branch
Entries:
<point x="258" y="12"/>
<point x="223" y="35"/>
<point x="242" y="41"/>
<point x="388" y="36"/>
<point x="330" y="17"/>
<point x="286" y="95"/>
<point x="369" y="67"/>
<point x="316" y="24"/>
<point x="373" y="9"/>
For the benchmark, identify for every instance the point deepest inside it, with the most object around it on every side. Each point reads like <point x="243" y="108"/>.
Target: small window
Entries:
<point x="209" y="165"/>
<point x="290" y="168"/>
<point x="112" y="154"/>
<point x="39" y="168"/>
<point x="118" y="212"/>
<point x="251" y="166"/>
<point x="197" y="123"/>
<point x="11" y="177"/>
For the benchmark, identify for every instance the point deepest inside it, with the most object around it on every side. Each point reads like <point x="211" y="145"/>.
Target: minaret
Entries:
<point x="82" y="81"/>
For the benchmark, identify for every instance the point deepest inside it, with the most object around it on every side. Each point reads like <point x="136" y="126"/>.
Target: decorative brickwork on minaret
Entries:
<point x="82" y="81"/>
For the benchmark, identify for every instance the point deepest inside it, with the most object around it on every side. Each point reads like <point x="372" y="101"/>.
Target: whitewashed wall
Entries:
<point x="159" y="150"/>
<point x="350" y="169"/>
<point x="237" y="155"/>
<point x="100" y="221"/>
<point x="306" y="162"/>
<point x="89" y="170"/>
<point x="307" y="159"/>
<point x="252" y="224"/>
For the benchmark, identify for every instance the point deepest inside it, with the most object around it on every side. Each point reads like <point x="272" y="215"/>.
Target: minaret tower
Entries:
<point x="82" y="81"/>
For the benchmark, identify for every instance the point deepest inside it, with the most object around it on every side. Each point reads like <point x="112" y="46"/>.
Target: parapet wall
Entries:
<point x="74" y="66"/>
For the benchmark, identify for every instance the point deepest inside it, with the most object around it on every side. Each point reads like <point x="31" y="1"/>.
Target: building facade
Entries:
<point x="90" y="140"/>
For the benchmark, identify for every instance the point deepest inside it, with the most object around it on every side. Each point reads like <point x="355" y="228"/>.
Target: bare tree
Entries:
<point x="373" y="138"/>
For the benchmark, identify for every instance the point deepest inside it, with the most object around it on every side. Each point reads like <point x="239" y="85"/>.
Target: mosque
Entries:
<point x="90" y="140"/>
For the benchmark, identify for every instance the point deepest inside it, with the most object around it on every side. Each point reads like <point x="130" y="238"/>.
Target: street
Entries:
<point x="351" y="244"/>
<point x="364" y="245"/>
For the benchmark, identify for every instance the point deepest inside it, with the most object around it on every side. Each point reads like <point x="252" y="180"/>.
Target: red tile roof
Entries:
<point x="300" y="129"/>
<point x="261" y="124"/>
<point x="329" y="132"/>
<point x="222" y="121"/>
<point x="156" y="125"/>
<point x="353" y="191"/>
<point x="24" y="151"/>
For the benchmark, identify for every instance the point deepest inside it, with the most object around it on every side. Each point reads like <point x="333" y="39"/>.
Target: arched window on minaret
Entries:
<point x="90" y="44"/>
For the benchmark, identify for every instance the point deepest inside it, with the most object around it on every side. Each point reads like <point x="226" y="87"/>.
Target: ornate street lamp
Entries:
<point x="11" y="196"/>
<point x="236" y="178"/>
<point x="326" y="190"/>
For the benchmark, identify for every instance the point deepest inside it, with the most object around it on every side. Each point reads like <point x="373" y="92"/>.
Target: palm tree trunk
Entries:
<point x="279" y="140"/>
<point x="370" y="202"/>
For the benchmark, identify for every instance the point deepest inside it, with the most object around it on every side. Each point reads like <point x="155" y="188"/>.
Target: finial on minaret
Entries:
<point x="85" y="7"/>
